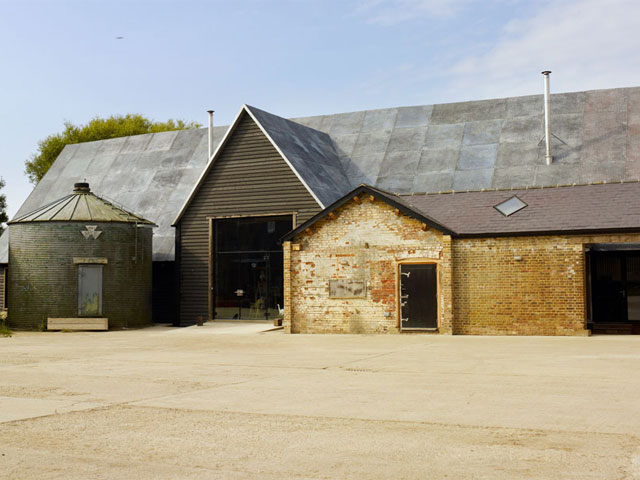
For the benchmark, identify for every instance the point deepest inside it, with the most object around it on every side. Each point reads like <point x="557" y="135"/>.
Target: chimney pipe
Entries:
<point x="547" y="124"/>
<point x="210" y="112"/>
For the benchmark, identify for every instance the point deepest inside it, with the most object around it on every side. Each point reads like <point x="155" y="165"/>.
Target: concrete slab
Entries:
<point x="226" y="401"/>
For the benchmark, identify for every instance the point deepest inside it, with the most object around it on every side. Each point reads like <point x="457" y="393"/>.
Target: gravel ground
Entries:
<point x="234" y="402"/>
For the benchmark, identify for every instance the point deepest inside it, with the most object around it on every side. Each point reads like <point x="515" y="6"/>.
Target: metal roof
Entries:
<point x="81" y="206"/>
<point x="430" y="148"/>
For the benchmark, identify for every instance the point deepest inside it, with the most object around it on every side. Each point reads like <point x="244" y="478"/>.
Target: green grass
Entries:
<point x="4" y="330"/>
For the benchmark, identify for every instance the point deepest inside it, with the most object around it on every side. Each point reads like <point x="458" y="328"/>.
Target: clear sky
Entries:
<point x="61" y="60"/>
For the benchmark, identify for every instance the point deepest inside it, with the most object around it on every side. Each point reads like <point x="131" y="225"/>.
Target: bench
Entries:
<point x="80" y="323"/>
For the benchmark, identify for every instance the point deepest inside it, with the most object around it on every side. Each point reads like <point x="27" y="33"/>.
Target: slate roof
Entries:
<point x="430" y="148"/>
<point x="613" y="207"/>
<point x="81" y="206"/>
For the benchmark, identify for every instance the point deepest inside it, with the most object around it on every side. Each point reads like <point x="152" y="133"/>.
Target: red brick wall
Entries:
<point x="530" y="285"/>
<point x="364" y="243"/>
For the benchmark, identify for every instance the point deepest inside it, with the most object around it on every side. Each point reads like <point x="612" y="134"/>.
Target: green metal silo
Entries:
<point x="80" y="257"/>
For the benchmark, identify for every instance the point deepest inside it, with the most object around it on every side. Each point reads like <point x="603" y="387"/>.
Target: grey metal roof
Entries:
<point x="81" y="206"/>
<point x="429" y="148"/>
<point x="150" y="175"/>
<point x="490" y="143"/>
<point x="312" y="154"/>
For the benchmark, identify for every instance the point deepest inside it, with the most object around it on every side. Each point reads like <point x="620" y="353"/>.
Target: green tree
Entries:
<point x="3" y="208"/>
<point x="97" y="129"/>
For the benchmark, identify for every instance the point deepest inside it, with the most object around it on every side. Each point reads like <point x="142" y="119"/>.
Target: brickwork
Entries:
<point x="523" y="285"/>
<point x="528" y="285"/>
<point x="365" y="242"/>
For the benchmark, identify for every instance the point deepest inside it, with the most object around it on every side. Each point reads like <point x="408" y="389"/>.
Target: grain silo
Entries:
<point x="80" y="257"/>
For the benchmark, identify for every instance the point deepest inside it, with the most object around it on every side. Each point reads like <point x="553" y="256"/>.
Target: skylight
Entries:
<point x="511" y="206"/>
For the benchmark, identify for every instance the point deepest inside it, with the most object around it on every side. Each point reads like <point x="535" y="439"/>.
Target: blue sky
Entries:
<point x="60" y="60"/>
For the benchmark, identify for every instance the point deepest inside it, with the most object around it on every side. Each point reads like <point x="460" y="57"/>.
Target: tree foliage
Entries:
<point x="97" y="129"/>
<point x="3" y="207"/>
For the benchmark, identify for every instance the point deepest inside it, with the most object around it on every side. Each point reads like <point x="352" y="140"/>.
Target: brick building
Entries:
<point x="545" y="261"/>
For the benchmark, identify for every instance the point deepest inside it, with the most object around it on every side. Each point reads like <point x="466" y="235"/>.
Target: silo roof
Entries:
<point x="81" y="206"/>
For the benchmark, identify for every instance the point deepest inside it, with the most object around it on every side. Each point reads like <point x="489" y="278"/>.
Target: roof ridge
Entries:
<point x="523" y="188"/>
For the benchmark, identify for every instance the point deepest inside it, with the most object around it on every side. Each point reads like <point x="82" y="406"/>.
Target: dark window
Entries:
<point x="248" y="270"/>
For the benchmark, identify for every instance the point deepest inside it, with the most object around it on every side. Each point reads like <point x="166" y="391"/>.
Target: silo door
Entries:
<point x="418" y="297"/>
<point x="89" y="290"/>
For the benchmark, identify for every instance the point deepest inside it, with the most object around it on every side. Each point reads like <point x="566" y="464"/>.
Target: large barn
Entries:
<point x="217" y="250"/>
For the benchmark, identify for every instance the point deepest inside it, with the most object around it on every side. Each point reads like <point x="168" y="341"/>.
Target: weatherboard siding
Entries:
<point x="249" y="178"/>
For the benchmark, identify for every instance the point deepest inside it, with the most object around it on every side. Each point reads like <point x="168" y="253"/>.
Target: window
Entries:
<point x="89" y="290"/>
<point x="511" y="206"/>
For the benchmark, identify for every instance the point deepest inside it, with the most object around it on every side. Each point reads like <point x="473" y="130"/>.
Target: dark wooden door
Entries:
<point x="418" y="296"/>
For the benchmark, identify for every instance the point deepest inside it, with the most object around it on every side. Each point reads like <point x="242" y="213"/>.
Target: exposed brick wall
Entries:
<point x="364" y="243"/>
<point x="530" y="285"/>
<point x="544" y="293"/>
<point x="541" y="294"/>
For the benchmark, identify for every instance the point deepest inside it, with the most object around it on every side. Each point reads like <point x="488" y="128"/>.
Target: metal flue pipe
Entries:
<point x="547" y="123"/>
<point x="210" y="112"/>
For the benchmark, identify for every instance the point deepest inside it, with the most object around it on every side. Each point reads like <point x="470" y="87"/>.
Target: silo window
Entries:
<point x="89" y="290"/>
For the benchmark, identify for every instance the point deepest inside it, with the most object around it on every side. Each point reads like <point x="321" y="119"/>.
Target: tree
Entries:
<point x="3" y="207"/>
<point x="97" y="129"/>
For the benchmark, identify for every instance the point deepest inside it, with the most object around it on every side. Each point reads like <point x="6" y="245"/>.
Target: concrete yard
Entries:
<point x="231" y="401"/>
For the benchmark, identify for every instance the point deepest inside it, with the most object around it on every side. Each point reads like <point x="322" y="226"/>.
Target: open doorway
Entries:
<point x="614" y="276"/>
<point x="247" y="263"/>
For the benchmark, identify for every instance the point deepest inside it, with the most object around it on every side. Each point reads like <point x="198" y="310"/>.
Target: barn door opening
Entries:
<point x="615" y="291"/>
<point x="248" y="277"/>
<point x="418" y="296"/>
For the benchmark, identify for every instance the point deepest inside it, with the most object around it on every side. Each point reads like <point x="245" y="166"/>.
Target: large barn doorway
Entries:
<point x="248" y="266"/>
<point x="614" y="290"/>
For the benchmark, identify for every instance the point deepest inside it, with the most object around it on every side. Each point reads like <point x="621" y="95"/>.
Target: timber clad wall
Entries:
<point x="365" y="242"/>
<point x="249" y="177"/>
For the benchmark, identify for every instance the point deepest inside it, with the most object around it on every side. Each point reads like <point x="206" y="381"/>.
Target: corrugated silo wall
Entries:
<point x="44" y="280"/>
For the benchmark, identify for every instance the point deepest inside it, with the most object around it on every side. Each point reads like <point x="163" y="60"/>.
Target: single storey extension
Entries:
<point x="540" y="261"/>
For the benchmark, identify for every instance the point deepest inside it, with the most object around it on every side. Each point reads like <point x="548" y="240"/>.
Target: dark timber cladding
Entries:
<point x="249" y="178"/>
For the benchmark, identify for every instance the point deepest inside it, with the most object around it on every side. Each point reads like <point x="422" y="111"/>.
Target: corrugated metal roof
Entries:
<point x="429" y="148"/>
<point x="81" y="206"/>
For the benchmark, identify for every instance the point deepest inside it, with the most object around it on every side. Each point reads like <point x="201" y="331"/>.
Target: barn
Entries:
<point x="221" y="209"/>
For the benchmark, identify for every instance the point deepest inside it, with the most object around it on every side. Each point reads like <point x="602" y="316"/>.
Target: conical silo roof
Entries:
<point x="81" y="206"/>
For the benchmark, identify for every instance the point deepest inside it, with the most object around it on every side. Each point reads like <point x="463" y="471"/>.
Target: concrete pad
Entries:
<point x="228" y="400"/>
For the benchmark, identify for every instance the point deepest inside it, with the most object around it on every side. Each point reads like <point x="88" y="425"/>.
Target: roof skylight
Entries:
<point x="510" y="206"/>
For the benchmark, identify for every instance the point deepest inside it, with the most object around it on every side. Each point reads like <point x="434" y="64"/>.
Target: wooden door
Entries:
<point x="418" y="296"/>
